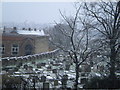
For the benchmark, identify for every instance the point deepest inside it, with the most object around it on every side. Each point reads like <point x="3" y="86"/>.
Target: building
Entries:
<point x="21" y="42"/>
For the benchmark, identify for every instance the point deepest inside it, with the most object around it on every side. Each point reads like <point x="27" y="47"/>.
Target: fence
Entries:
<point x="23" y="59"/>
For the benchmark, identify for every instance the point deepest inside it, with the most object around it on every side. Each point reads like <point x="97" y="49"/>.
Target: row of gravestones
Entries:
<point x="64" y="80"/>
<point x="83" y="80"/>
<point x="50" y="65"/>
<point x="46" y="83"/>
<point x="55" y="62"/>
<point x="55" y="71"/>
<point x="23" y="59"/>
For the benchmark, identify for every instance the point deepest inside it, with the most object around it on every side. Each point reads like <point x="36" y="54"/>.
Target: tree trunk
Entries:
<point x="77" y="76"/>
<point x="112" y="60"/>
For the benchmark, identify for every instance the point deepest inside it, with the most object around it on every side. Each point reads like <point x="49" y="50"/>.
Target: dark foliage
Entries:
<point x="10" y="82"/>
<point x="104" y="83"/>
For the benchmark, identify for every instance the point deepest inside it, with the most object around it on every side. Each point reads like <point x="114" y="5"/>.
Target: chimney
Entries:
<point x="29" y="29"/>
<point x="23" y="28"/>
<point x="35" y="29"/>
<point x="4" y="29"/>
<point x="15" y="28"/>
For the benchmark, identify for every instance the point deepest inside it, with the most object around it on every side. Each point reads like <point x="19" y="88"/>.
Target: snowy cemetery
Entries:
<point x="88" y="56"/>
<point x="47" y="70"/>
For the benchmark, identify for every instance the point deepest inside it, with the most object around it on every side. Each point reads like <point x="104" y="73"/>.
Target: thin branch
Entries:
<point x="65" y="18"/>
<point x="62" y="30"/>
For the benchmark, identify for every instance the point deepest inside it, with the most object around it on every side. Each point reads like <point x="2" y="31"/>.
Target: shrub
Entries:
<point x="102" y="83"/>
<point x="10" y="82"/>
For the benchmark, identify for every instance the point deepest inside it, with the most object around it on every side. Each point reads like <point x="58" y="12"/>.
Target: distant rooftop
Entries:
<point x="32" y="32"/>
<point x="23" y="31"/>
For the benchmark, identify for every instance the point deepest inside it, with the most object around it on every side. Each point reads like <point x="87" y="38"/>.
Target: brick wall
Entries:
<point x="39" y="44"/>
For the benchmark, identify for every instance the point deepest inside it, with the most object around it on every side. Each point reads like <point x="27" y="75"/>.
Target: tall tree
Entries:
<point x="77" y="32"/>
<point x="106" y="17"/>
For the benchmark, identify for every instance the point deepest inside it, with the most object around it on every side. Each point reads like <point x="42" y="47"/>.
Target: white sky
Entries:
<point x="36" y="12"/>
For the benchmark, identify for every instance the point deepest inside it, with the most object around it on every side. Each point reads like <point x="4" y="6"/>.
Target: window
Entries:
<point x="2" y="49"/>
<point x="15" y="49"/>
<point x="28" y="49"/>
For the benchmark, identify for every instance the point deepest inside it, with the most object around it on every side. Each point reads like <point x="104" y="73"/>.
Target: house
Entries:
<point x="21" y="42"/>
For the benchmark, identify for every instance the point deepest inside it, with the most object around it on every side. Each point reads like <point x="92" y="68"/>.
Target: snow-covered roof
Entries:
<point x="32" y="32"/>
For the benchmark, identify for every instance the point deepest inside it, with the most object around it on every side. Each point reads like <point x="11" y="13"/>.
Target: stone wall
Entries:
<point x="7" y="61"/>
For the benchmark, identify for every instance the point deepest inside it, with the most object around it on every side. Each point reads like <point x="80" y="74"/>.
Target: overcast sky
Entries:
<point x="35" y="12"/>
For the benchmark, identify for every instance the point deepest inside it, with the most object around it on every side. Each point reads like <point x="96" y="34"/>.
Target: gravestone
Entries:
<point x="33" y="62"/>
<point x="25" y="66"/>
<point x="51" y="62"/>
<point x="64" y="80"/>
<point x="80" y="69"/>
<point x="87" y="68"/>
<point x="56" y="64"/>
<point x="43" y="78"/>
<point x="45" y="86"/>
<point x="67" y="67"/>
<point x="56" y="83"/>
<point x="49" y="67"/>
<point x="54" y="70"/>
<point x="83" y="74"/>
<point x="39" y="65"/>
<point x="30" y="67"/>
<point x="83" y="80"/>
<point x="19" y="64"/>
<point x="43" y="64"/>
<point x="61" y="68"/>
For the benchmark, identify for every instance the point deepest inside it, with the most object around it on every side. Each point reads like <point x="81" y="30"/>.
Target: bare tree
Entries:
<point x="106" y="18"/>
<point x="58" y="37"/>
<point x="78" y="36"/>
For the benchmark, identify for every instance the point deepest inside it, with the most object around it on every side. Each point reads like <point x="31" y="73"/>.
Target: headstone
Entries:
<point x="83" y="80"/>
<point x="87" y="68"/>
<point x="49" y="67"/>
<point x="36" y="69"/>
<point x="101" y="68"/>
<point x="30" y="67"/>
<point x="33" y="62"/>
<point x="54" y="70"/>
<point x="67" y="67"/>
<point x="61" y="68"/>
<point x="80" y="69"/>
<point x="83" y="74"/>
<point x="19" y="64"/>
<point x="25" y="66"/>
<point x="57" y="61"/>
<point x="56" y="64"/>
<point x="39" y="65"/>
<point x="45" y="86"/>
<point x="51" y="62"/>
<point x="56" y="83"/>
<point x="43" y="64"/>
<point x="43" y="78"/>
<point x="64" y="80"/>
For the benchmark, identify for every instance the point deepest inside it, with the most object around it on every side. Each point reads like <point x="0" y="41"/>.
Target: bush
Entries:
<point x="10" y="82"/>
<point x="104" y="83"/>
